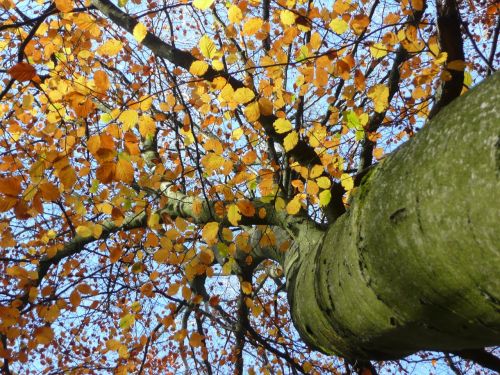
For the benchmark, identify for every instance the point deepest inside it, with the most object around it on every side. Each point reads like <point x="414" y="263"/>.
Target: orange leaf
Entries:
<point x="124" y="171"/>
<point x="22" y="72"/>
<point x="64" y="6"/>
<point x="10" y="186"/>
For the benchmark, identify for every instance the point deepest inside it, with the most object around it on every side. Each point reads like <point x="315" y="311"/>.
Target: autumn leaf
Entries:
<point x="64" y="6"/>
<point x="198" y="68"/>
<point x="293" y="207"/>
<point x="127" y="321"/>
<point x="110" y="48"/>
<point x="246" y="287"/>
<point x="234" y="14"/>
<point x="346" y="181"/>
<point x="324" y="198"/>
<point x="124" y="171"/>
<point x="378" y="50"/>
<point x="287" y="17"/>
<point x="243" y="95"/>
<point x="233" y="214"/>
<point x="339" y="26"/>
<point x="380" y="96"/>
<point x="101" y="80"/>
<point x="291" y="141"/>
<point x="207" y="47"/>
<point x="129" y="118"/>
<point x="84" y="231"/>
<point x="209" y="232"/>
<point x="196" y="340"/>
<point x="252" y="26"/>
<point x="282" y="125"/>
<point x="22" y="72"/>
<point x="10" y="186"/>
<point x="203" y="4"/>
<point x="140" y="31"/>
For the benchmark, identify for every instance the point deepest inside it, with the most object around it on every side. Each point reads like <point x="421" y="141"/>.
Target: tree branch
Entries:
<point x="481" y="357"/>
<point x="451" y="42"/>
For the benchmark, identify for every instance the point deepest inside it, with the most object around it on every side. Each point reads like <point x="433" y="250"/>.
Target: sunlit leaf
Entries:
<point x="251" y="26"/>
<point x="243" y="95"/>
<point x="110" y="48"/>
<point x="282" y="125"/>
<point x="339" y="26"/>
<point x="140" y="31"/>
<point x="198" y="68"/>
<point x="203" y="4"/>
<point x="233" y="214"/>
<point x="290" y="141"/>
<point x="207" y="47"/>
<point x="234" y="14"/>
<point x="380" y="96"/>
<point x="84" y="231"/>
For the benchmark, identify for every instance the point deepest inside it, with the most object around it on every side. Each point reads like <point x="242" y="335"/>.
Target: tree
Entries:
<point x="182" y="181"/>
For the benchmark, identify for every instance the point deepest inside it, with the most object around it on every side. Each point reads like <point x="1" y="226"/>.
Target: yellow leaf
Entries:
<point x="279" y="204"/>
<point x="147" y="126"/>
<point x="233" y="214"/>
<point x="83" y="231"/>
<point x="378" y="50"/>
<point x="234" y="14"/>
<point x="64" y="6"/>
<point x="153" y="220"/>
<point x="323" y="182"/>
<point x="217" y="65"/>
<point x="316" y="171"/>
<point x="324" y="198"/>
<point x="209" y="232"/>
<point x="207" y="47"/>
<point x="127" y="321"/>
<point x="252" y="112"/>
<point x="237" y="133"/>
<point x="110" y="47"/>
<point x="441" y="58"/>
<point x="198" y="68"/>
<point x="339" y="26"/>
<point x="290" y="141"/>
<point x="140" y="32"/>
<point x="380" y="96"/>
<point x="243" y="95"/>
<point x="124" y="171"/>
<point x="347" y="181"/>
<point x="252" y="26"/>
<point x="129" y="118"/>
<point x="287" y="17"/>
<point x="202" y="4"/>
<point x="282" y="125"/>
<point x="293" y="206"/>
<point x="97" y="230"/>
<point x="246" y="287"/>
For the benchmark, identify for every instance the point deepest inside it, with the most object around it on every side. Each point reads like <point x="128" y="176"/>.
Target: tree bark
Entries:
<point x="413" y="264"/>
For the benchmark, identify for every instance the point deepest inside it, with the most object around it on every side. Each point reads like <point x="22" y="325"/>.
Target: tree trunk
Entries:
<point x="414" y="262"/>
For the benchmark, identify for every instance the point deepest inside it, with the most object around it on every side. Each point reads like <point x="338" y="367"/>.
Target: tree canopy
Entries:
<point x="180" y="182"/>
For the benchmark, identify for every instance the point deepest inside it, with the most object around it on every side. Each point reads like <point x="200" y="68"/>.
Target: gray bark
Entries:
<point x="414" y="263"/>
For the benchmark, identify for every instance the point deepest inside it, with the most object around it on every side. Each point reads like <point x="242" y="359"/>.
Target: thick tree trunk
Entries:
<point x="414" y="264"/>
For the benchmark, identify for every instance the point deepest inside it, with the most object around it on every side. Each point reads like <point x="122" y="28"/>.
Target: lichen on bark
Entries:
<point x="413" y="264"/>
